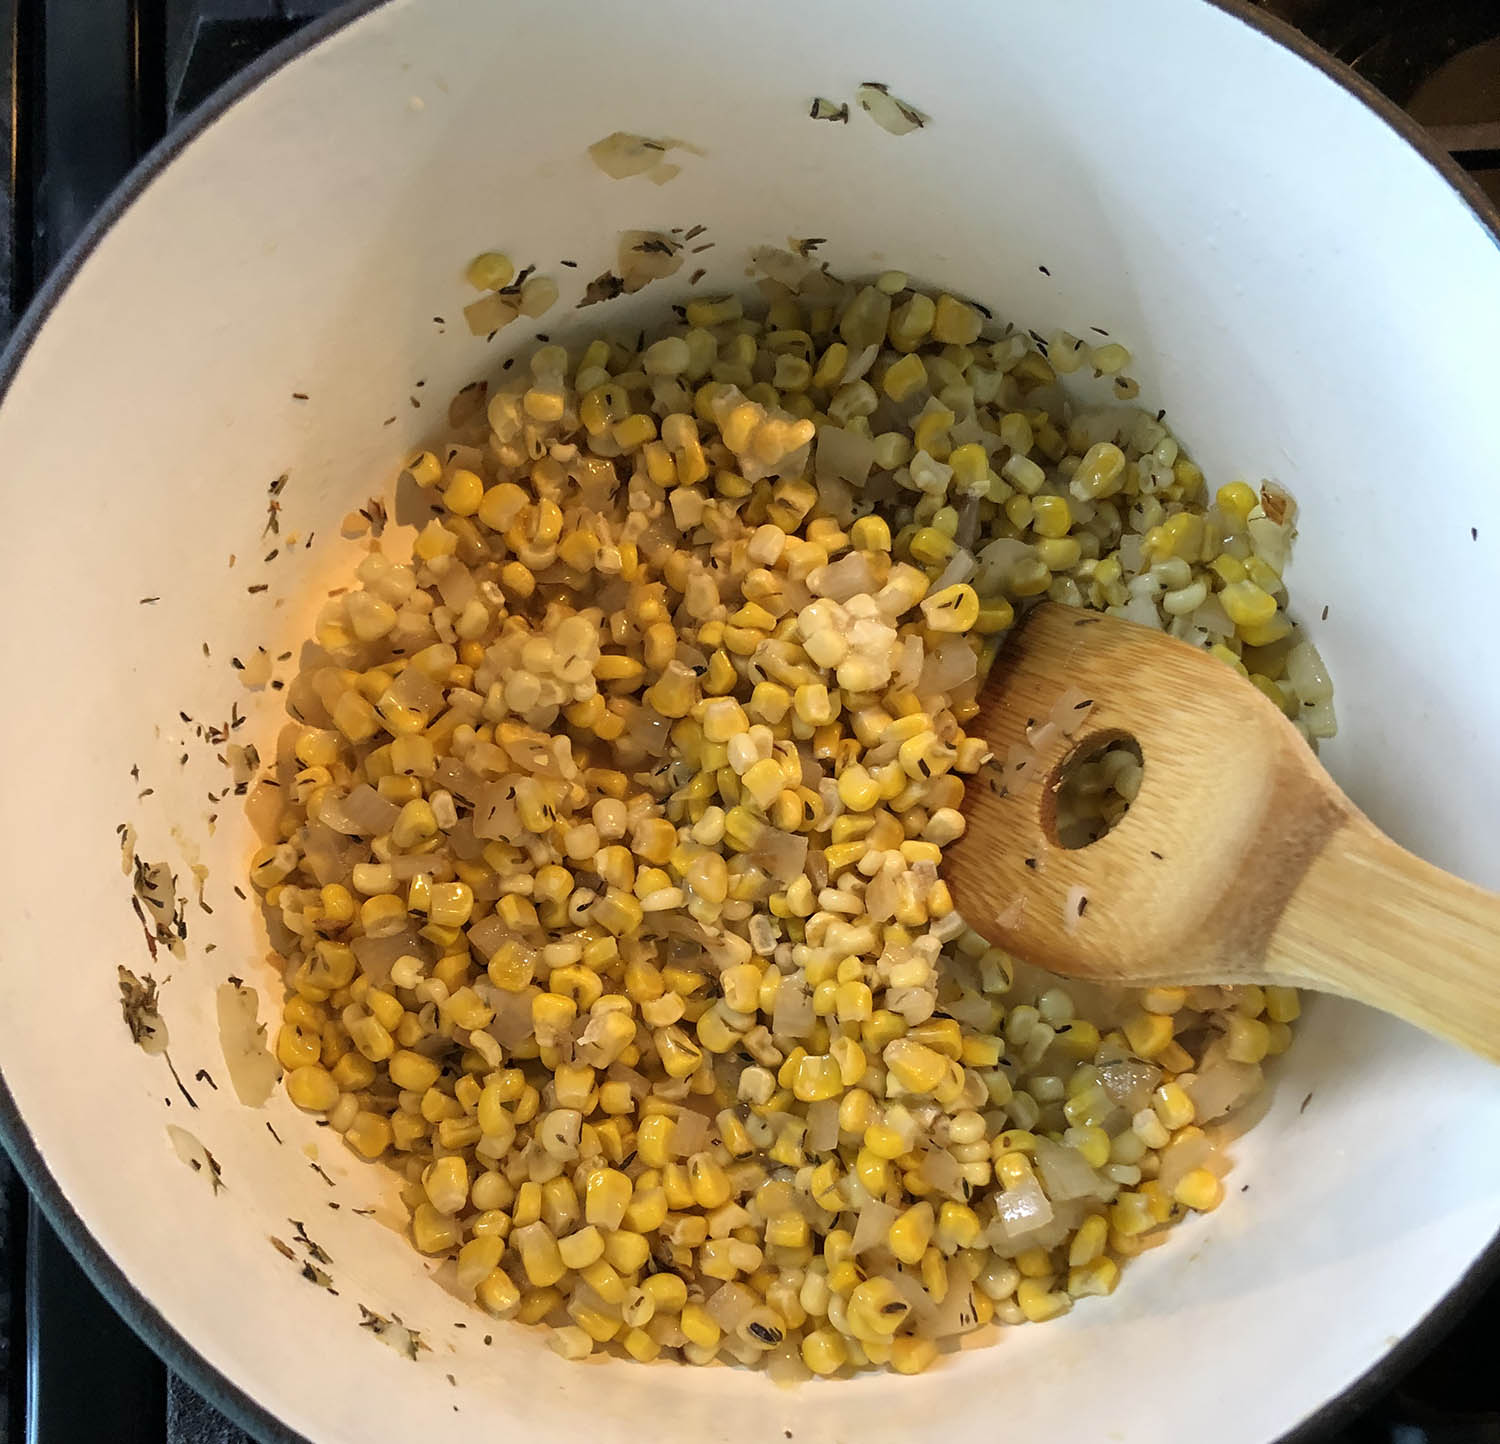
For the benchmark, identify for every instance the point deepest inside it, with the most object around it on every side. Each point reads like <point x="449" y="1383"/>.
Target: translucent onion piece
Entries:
<point x="329" y="857"/>
<point x="375" y="955"/>
<point x="782" y="854"/>
<point x="1130" y="1083"/>
<point x="364" y="812"/>
<point x="691" y="1134"/>
<point x="495" y="814"/>
<point x="1182" y="1156"/>
<point x="647" y="256"/>
<point x="873" y="1225"/>
<point x="1021" y="1209"/>
<point x="793" y="1014"/>
<point x="1220" y="1086"/>
<point x="790" y="270"/>
<point x="730" y="1305"/>
<point x="887" y="112"/>
<point x="1065" y="1172"/>
<point x="253" y="1069"/>
<point x="850" y="576"/>
<point x="512" y="1023"/>
<point x="943" y="1172"/>
<point x="959" y="569"/>
<point x="1307" y="675"/>
<point x="823" y="1125"/>
<point x="621" y="155"/>
<point x="487" y="936"/>
<point x="843" y="455"/>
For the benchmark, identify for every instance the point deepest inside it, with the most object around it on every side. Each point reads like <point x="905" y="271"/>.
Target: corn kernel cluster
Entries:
<point x="609" y="885"/>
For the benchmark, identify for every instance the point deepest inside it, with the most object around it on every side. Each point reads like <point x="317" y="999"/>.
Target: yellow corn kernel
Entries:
<point x="958" y="1227"/>
<point x="817" y="1078"/>
<point x="1088" y="1243"/>
<point x="298" y="1047"/>
<point x="539" y="1254"/>
<point x="912" y="1232"/>
<point x="432" y="1231"/>
<point x="699" y="1326"/>
<point x="954" y="323"/>
<point x="824" y="1351"/>
<point x="876" y="1309"/>
<point x="413" y="1071"/>
<point x="369" y="1135"/>
<point x="1173" y="1106"/>
<point x="1283" y="1005"/>
<point x="931" y="547"/>
<point x="1262" y="634"/>
<point x="464" y="492"/>
<point x="654" y="1141"/>
<point x="912" y="1353"/>
<point x="954" y="609"/>
<point x="904" y="378"/>
<point x="1246" y="604"/>
<point x="1094" y="1279"/>
<point x="1238" y="499"/>
<point x="1247" y="1039"/>
<point x="709" y="1183"/>
<point x="313" y="1088"/>
<point x="916" y="1067"/>
<point x="1051" y="516"/>
<point x="1148" y="1033"/>
<point x="1199" y="1190"/>
<point x="1038" y="1302"/>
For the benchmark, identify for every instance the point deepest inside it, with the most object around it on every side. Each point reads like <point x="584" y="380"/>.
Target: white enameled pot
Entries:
<point x="1308" y="296"/>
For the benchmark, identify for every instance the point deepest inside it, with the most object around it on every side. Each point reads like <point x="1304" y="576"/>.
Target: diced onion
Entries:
<point x="1130" y="1083"/>
<point x="949" y="665"/>
<point x="647" y="256"/>
<point x="782" y="854"/>
<point x="783" y="266"/>
<point x="1021" y="1209"/>
<point x="859" y="364"/>
<point x="691" y="1133"/>
<point x="959" y="569"/>
<point x="873" y="1226"/>
<point x="1307" y="675"/>
<point x="495" y="814"/>
<point x="1181" y="1156"/>
<point x="621" y="155"/>
<point x="375" y="955"/>
<point x="364" y="812"/>
<point x="890" y="114"/>
<point x="730" y="1305"/>
<point x="850" y="576"/>
<point x="823" y="1125"/>
<point x="843" y="455"/>
<point x="793" y="1016"/>
<point x="942" y="1172"/>
<point x="487" y="935"/>
<point x="1065" y="1172"/>
<point x="1220" y="1086"/>
<point x="253" y="1069"/>
<point x="512" y="1022"/>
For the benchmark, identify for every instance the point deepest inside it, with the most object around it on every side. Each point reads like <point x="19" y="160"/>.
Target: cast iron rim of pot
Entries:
<point x="143" y="1317"/>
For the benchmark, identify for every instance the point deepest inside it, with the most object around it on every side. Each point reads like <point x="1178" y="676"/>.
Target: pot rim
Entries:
<point x="176" y="1352"/>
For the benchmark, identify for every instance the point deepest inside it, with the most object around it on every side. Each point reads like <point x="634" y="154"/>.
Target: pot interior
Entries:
<point x="283" y="295"/>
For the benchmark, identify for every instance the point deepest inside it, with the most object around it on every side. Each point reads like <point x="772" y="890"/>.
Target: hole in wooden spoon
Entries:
<point x="1092" y="789"/>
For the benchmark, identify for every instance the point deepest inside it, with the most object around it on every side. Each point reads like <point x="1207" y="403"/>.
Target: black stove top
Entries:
<point x="92" y="85"/>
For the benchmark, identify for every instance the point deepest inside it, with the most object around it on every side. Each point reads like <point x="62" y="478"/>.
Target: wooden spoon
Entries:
<point x="1239" y="861"/>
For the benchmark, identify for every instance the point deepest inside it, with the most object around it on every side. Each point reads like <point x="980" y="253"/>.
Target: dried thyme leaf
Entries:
<point x="138" y="1004"/>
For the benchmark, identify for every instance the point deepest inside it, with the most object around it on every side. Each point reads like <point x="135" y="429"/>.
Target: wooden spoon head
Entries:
<point x="1188" y="885"/>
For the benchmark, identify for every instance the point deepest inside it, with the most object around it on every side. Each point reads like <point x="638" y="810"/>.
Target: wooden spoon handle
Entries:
<point x="1372" y="922"/>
